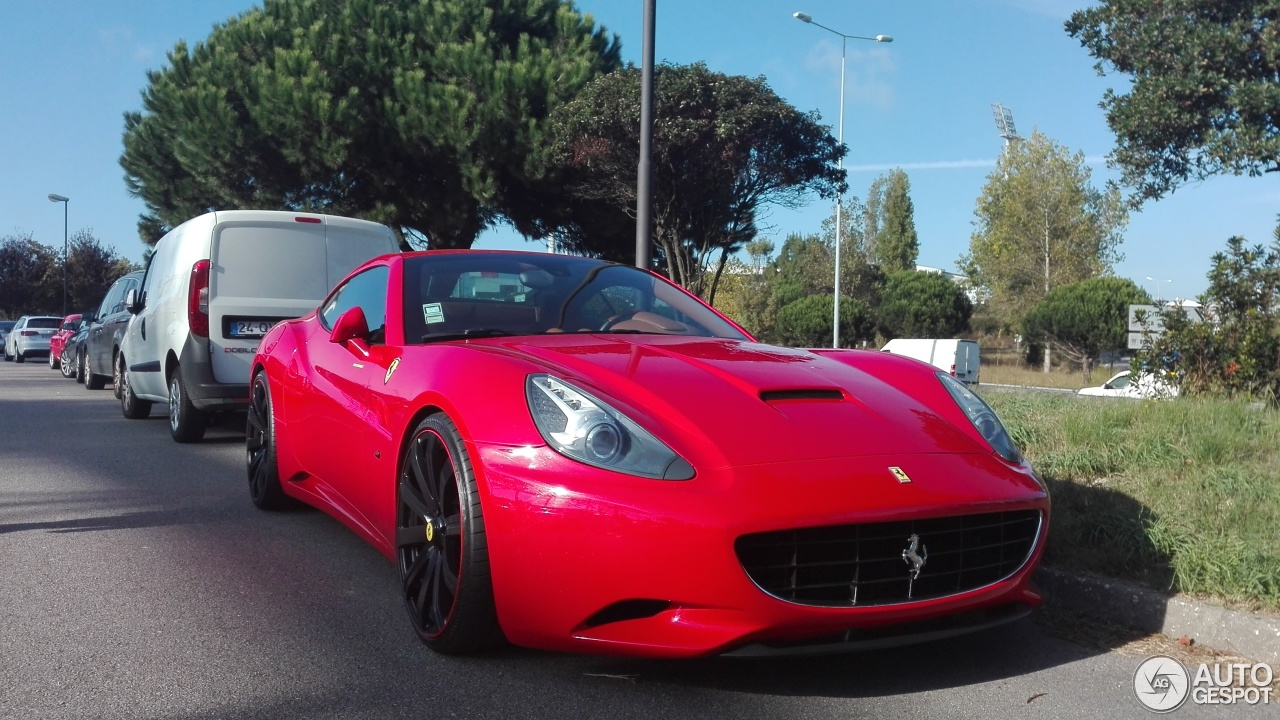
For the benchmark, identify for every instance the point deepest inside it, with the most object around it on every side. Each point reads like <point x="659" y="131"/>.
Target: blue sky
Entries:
<point x="69" y="70"/>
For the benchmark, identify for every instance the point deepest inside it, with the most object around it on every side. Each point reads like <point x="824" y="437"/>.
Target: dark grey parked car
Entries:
<point x="105" y="332"/>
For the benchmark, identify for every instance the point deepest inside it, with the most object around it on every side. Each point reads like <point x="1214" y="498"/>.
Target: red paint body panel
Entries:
<point x="59" y="338"/>
<point x="567" y="540"/>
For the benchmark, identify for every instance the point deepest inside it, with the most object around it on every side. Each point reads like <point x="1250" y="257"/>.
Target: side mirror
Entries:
<point x="351" y="326"/>
<point x="133" y="302"/>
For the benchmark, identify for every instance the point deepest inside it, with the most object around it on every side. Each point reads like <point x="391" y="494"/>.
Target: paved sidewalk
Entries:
<point x="1250" y="635"/>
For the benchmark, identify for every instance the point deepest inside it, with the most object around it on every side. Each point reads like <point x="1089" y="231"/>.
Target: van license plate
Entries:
<point x="250" y="328"/>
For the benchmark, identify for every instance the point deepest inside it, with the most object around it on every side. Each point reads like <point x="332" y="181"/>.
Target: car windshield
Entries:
<point x="470" y="295"/>
<point x="44" y="323"/>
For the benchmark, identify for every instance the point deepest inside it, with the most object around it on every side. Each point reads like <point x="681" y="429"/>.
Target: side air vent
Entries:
<point x="627" y="610"/>
<point x="801" y="394"/>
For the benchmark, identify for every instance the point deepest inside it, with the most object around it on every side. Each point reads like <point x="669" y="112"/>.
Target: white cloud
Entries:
<point x="867" y="71"/>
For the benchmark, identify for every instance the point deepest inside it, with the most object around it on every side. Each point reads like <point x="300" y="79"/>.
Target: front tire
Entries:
<point x="260" y="449"/>
<point x="186" y="422"/>
<point x="130" y="405"/>
<point x="441" y="549"/>
<point x="80" y="368"/>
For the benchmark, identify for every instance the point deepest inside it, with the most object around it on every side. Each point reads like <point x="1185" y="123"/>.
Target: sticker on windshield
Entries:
<point x="432" y="313"/>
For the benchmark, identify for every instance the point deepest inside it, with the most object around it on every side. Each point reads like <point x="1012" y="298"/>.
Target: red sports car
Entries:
<point x="576" y="455"/>
<point x="65" y="330"/>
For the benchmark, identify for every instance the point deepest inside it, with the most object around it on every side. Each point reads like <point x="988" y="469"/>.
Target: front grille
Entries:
<point x="864" y="565"/>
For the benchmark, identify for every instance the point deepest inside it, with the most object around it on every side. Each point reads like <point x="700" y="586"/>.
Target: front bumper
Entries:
<point x="586" y="560"/>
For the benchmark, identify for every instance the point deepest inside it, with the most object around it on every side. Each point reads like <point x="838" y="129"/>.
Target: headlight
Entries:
<point x="582" y="427"/>
<point x="982" y="417"/>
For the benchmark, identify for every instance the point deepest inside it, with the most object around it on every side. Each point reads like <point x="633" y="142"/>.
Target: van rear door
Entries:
<point x="262" y="271"/>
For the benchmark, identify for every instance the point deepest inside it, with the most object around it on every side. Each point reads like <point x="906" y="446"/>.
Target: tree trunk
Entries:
<point x="715" y="282"/>
<point x="1088" y="370"/>
<point x="1046" y="358"/>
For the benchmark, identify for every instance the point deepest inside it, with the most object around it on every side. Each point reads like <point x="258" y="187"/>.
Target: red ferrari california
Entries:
<point x="580" y="456"/>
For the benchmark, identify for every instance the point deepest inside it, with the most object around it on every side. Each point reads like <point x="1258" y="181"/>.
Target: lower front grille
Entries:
<point x="890" y="562"/>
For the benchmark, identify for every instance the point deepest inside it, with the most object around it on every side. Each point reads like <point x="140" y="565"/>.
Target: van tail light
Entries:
<point x="198" y="300"/>
<point x="953" y="371"/>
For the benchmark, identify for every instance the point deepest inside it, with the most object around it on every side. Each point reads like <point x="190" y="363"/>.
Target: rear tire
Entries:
<point x="92" y="380"/>
<point x="19" y="358"/>
<point x="130" y="405"/>
<point x="187" y="423"/>
<point x="53" y="361"/>
<point x="67" y="365"/>
<point x="260" y="449"/>
<point x="80" y="378"/>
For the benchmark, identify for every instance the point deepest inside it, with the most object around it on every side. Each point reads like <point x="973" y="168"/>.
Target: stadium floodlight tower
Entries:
<point x="1004" y="123"/>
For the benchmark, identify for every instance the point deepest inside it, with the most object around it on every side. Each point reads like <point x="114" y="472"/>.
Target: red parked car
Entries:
<point x="577" y="455"/>
<point x="65" y="330"/>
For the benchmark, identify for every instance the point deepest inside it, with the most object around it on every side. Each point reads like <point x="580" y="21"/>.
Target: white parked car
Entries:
<point x="1123" y="384"/>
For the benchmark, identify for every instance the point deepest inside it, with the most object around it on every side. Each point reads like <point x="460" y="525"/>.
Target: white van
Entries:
<point x="213" y="288"/>
<point x="958" y="357"/>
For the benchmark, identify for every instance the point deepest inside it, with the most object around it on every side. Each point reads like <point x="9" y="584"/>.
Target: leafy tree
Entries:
<point x="896" y="245"/>
<point x="1040" y="225"/>
<point x="91" y="269"/>
<point x="1236" y="350"/>
<point x="723" y="148"/>
<point x="923" y="304"/>
<point x="1202" y="97"/>
<point x="860" y="277"/>
<point x="1085" y="319"/>
<point x="30" y="277"/>
<point x="430" y="117"/>
<point x="807" y="322"/>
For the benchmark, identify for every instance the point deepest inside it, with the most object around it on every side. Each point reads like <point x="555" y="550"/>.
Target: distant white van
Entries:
<point x="958" y="357"/>
<point x="213" y="288"/>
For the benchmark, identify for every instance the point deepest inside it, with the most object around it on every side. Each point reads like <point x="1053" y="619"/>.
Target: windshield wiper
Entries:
<point x="468" y="334"/>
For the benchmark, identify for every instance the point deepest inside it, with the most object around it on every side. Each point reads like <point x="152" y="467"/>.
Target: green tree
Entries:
<point x="91" y="269"/>
<point x="1040" y="225"/>
<point x="896" y="245"/>
<point x="1202" y="93"/>
<point x="923" y="304"/>
<point x="30" y="277"/>
<point x="1085" y="319"/>
<point x="806" y="322"/>
<point x="724" y="147"/>
<point x="1236" y="350"/>
<point x="430" y="117"/>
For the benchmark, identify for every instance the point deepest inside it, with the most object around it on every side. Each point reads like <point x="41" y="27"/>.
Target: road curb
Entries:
<point x="1250" y="635"/>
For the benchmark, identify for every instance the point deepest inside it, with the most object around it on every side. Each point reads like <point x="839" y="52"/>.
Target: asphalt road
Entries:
<point x="138" y="581"/>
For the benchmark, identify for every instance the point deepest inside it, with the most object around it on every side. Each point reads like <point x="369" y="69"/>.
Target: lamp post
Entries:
<point x="54" y="197"/>
<point x="1159" y="289"/>
<point x="844" y="42"/>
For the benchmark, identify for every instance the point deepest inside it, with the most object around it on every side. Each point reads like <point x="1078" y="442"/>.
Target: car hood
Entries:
<point x="743" y="403"/>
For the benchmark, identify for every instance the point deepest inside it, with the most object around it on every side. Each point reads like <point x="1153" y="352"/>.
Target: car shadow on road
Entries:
<point x="123" y="521"/>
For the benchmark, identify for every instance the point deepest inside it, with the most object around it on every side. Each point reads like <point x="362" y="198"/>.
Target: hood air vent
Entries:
<point x="770" y="396"/>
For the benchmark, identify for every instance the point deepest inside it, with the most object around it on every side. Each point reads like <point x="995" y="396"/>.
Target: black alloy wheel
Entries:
<point x="441" y="549"/>
<point x="260" y="449"/>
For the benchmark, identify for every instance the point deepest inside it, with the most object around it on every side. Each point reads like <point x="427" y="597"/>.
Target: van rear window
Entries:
<point x="286" y="262"/>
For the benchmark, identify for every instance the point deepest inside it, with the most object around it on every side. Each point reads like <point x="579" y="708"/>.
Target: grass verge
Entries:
<point x="1180" y="496"/>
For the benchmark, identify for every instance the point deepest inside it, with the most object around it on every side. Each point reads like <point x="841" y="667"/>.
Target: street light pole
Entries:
<point x="66" y="201"/>
<point x="844" y="43"/>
